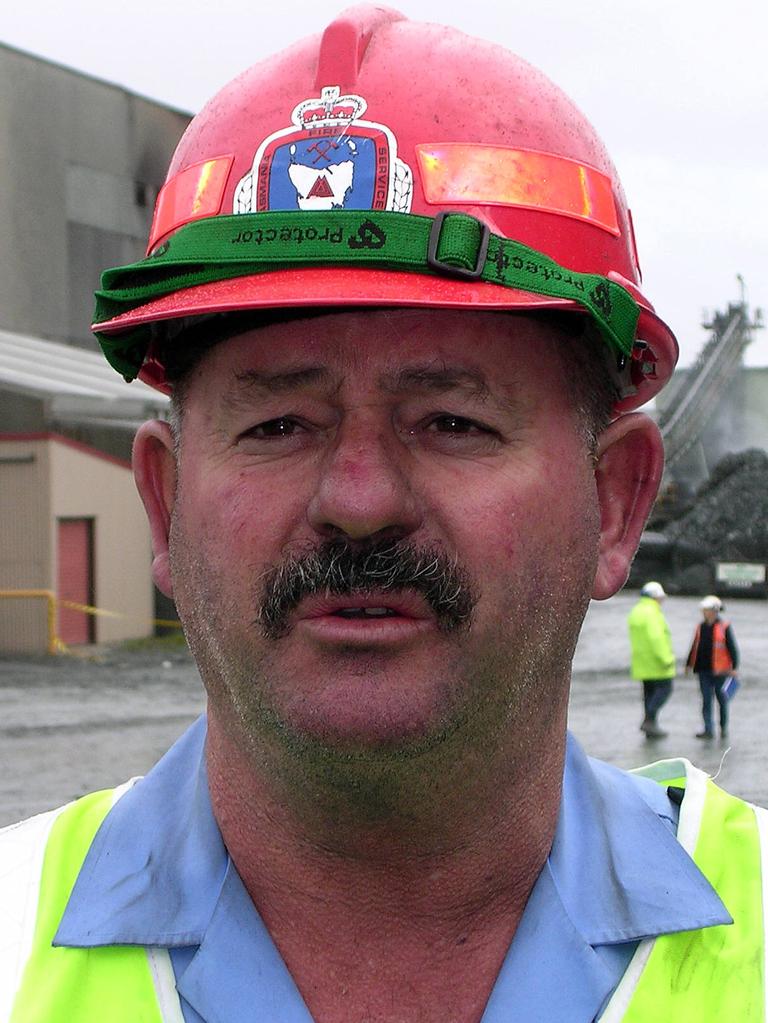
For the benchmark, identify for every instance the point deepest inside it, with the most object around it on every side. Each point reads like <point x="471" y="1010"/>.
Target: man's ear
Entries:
<point x="154" y="469"/>
<point x="628" y="473"/>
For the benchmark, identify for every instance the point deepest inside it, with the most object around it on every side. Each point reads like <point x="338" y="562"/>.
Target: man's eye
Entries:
<point x="274" y="428"/>
<point x="456" y="424"/>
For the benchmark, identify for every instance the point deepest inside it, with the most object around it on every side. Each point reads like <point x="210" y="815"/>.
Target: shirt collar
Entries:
<point x="157" y="867"/>
<point x="154" y="871"/>
<point x="620" y="871"/>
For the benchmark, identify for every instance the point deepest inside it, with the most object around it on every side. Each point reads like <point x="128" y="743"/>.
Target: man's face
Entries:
<point x="443" y="436"/>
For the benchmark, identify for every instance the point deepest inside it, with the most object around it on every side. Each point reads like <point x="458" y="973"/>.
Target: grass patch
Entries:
<point x="175" y="640"/>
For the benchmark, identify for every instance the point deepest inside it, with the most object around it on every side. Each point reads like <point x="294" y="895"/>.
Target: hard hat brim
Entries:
<point x="340" y="286"/>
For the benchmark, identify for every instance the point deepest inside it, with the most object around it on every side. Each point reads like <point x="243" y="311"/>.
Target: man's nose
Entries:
<point x="365" y="488"/>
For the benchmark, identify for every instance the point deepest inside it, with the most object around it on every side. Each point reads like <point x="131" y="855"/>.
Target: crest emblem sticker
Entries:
<point x="328" y="159"/>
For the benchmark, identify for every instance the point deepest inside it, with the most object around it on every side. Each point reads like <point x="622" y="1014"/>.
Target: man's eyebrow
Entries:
<point x="252" y="382"/>
<point x="435" y="378"/>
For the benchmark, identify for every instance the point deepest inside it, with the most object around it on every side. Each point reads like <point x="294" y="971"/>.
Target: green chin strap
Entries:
<point x="451" y="244"/>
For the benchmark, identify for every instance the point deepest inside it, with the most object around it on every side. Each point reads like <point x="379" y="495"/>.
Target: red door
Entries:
<point x="75" y="580"/>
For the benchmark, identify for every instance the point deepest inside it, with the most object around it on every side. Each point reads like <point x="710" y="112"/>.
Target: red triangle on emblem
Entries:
<point x="321" y="189"/>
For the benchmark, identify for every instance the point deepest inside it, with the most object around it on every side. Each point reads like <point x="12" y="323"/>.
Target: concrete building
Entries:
<point x="82" y="162"/>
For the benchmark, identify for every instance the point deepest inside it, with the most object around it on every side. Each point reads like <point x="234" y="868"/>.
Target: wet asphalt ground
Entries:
<point x="71" y="724"/>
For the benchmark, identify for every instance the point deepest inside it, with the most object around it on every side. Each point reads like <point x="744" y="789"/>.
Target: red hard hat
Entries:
<point x="387" y="115"/>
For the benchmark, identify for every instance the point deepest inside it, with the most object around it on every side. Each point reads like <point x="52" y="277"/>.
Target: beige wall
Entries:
<point x="67" y="480"/>
<point x="25" y="543"/>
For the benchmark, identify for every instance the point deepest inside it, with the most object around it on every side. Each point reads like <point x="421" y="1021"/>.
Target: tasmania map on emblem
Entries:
<point x="328" y="160"/>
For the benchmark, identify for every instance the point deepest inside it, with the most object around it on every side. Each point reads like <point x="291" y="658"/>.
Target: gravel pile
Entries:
<point x="729" y="519"/>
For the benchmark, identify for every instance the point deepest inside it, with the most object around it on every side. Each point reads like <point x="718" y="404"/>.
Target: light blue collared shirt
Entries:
<point x="158" y="873"/>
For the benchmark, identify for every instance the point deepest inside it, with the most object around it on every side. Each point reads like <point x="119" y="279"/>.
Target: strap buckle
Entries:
<point x="448" y="268"/>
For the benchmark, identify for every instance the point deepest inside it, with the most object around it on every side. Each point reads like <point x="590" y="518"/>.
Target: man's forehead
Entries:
<point x="433" y="375"/>
<point x="400" y="349"/>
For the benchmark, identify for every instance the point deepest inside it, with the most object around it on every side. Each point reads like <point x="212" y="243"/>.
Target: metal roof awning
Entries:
<point x="78" y="386"/>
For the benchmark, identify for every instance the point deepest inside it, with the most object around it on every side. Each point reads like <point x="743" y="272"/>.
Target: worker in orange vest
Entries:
<point x="714" y="657"/>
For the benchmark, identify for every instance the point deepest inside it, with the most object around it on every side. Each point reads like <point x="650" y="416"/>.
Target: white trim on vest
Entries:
<point x="22" y="847"/>
<point x="688" y="827"/>
<point x="164" y="979"/>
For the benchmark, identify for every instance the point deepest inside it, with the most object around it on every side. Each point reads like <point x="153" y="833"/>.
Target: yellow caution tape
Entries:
<point x="50" y="596"/>
<point x="88" y="609"/>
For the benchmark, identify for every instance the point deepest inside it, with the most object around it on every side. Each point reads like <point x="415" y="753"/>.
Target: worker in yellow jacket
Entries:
<point x="653" y="660"/>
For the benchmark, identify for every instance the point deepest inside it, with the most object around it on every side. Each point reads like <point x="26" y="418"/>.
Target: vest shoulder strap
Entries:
<point x="78" y="985"/>
<point x="715" y="973"/>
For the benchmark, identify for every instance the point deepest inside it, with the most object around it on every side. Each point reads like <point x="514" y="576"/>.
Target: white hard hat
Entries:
<point x="653" y="589"/>
<point x="711" y="603"/>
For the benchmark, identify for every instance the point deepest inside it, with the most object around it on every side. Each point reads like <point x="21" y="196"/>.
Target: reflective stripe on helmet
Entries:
<point x="453" y="172"/>
<point x="196" y="192"/>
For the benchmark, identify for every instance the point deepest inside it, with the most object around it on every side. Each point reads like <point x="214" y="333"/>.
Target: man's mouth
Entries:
<point x="365" y="612"/>
<point x="381" y="618"/>
<point x="369" y="607"/>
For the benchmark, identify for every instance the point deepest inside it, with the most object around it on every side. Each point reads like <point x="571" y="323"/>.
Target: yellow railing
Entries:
<point x="55" y="645"/>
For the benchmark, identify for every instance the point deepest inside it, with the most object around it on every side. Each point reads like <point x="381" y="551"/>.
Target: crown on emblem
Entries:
<point x="328" y="108"/>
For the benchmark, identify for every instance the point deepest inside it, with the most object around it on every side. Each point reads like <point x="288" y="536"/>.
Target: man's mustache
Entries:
<point x="339" y="568"/>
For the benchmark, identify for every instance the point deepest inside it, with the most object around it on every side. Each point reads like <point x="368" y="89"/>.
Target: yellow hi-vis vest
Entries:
<point x="713" y="975"/>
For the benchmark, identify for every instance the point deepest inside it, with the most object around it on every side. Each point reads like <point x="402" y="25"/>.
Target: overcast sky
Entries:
<point x="678" y="89"/>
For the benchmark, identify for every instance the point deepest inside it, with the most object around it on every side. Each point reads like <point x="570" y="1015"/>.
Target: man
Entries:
<point x="653" y="660"/>
<point x="401" y="321"/>
<point x="714" y="657"/>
